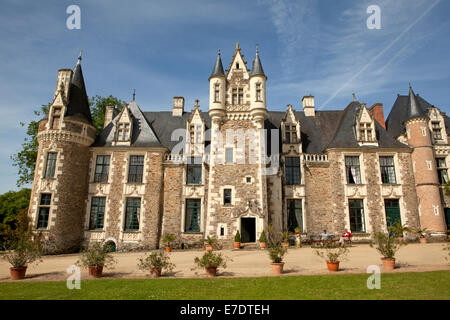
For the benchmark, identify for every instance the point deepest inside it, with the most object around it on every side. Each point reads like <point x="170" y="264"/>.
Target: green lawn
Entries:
<point x="426" y="285"/>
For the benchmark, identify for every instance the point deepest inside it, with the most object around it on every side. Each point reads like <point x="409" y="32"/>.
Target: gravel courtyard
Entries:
<point x="247" y="263"/>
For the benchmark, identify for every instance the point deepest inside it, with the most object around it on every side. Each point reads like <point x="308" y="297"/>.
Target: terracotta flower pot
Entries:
<point x="237" y="245"/>
<point x="333" y="266"/>
<point x="155" y="272"/>
<point x="277" y="268"/>
<point x="18" y="273"/>
<point x="400" y="239"/>
<point x="262" y="245"/>
<point x="208" y="247"/>
<point x="168" y="249"/>
<point x="388" y="263"/>
<point x="423" y="240"/>
<point x="95" y="271"/>
<point x="285" y="244"/>
<point x="211" y="271"/>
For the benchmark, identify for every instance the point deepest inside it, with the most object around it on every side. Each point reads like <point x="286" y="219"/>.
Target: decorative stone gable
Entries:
<point x="365" y="128"/>
<point x="437" y="126"/>
<point x="123" y="128"/>
<point x="291" y="132"/>
<point x="195" y="127"/>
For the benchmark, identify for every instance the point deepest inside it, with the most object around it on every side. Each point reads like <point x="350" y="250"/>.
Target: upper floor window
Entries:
<point x="258" y="92"/>
<point x="387" y="169"/>
<point x="227" y="197"/>
<point x="292" y="167"/>
<point x="240" y="96"/>
<point x="136" y="169"/>
<point x="194" y="171"/>
<point x="229" y="155"/>
<point x="97" y="213"/>
<point x="123" y="132"/>
<point x="352" y="170"/>
<point x="132" y="214"/>
<point x="237" y="96"/>
<point x="441" y="166"/>
<point x="291" y="134"/>
<point x="56" y="118"/>
<point x="50" y="165"/>
<point x="44" y="210"/>
<point x="101" y="169"/>
<point x="216" y="93"/>
<point x="366" y="132"/>
<point x="192" y="215"/>
<point x="436" y="127"/>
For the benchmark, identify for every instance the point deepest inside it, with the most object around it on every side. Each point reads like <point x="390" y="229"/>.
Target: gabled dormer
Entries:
<point x="195" y="127"/>
<point x="365" y="128"/>
<point x="123" y="128"/>
<point x="238" y="75"/>
<point x="290" y="131"/>
<point x="437" y="126"/>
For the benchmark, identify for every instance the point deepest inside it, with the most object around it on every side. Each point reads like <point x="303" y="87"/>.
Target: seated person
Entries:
<point x="324" y="235"/>
<point x="346" y="235"/>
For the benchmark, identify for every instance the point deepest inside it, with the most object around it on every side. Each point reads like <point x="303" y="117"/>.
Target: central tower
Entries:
<point x="237" y="184"/>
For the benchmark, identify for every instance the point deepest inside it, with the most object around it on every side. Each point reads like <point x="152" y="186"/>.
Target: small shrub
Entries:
<point x="168" y="238"/>
<point x="274" y="248"/>
<point x="211" y="259"/>
<point x="332" y="252"/>
<point x="262" y="237"/>
<point x="422" y="233"/>
<point x="158" y="260"/>
<point x="398" y="229"/>
<point x="386" y="244"/>
<point x="96" y="255"/>
<point x="286" y="236"/>
<point x="237" y="237"/>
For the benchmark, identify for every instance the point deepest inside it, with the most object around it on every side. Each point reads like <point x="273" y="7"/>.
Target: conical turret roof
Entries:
<point x="257" y="68"/>
<point x="78" y="103"/>
<point x="218" y="67"/>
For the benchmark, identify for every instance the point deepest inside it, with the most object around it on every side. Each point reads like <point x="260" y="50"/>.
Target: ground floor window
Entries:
<point x="447" y="217"/>
<point x="97" y="213"/>
<point x="44" y="210"/>
<point x="132" y="214"/>
<point x="294" y="209"/>
<point x="356" y="210"/>
<point x="192" y="218"/>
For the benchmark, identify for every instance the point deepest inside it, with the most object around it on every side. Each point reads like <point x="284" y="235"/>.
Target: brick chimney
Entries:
<point x="110" y="114"/>
<point x="377" y="112"/>
<point x="178" y="106"/>
<point x="308" y="106"/>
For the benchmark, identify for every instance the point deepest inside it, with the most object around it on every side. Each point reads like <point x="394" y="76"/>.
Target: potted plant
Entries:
<point x="210" y="261"/>
<point x="155" y="262"/>
<point x="285" y="239"/>
<point x="262" y="240"/>
<point x="168" y="238"/>
<point x="21" y="246"/>
<point x="423" y="234"/>
<point x="275" y="250"/>
<point x="96" y="257"/>
<point x="398" y="230"/>
<point x="211" y="243"/>
<point x="237" y="240"/>
<point x="387" y="245"/>
<point x="331" y="252"/>
<point x="297" y="230"/>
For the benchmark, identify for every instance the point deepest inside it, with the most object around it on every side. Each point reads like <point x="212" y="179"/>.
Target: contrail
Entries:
<point x="379" y="54"/>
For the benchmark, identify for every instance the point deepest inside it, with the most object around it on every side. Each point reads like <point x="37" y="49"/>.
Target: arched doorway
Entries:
<point x="248" y="229"/>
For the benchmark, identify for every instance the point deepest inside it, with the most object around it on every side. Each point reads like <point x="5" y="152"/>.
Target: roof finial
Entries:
<point x="354" y="96"/>
<point x="196" y="103"/>
<point x="134" y="94"/>
<point x="410" y="86"/>
<point x="219" y="52"/>
<point x="79" y="57"/>
<point x="237" y="45"/>
<point x="257" y="49"/>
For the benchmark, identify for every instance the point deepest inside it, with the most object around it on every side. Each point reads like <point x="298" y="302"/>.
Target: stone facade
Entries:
<point x="243" y="183"/>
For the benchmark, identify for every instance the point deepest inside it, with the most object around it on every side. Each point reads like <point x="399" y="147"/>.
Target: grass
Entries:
<point x="426" y="285"/>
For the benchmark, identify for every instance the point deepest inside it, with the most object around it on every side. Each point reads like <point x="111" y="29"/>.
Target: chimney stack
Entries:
<point x="377" y="112"/>
<point x="308" y="106"/>
<point x="110" y="114"/>
<point x="178" y="106"/>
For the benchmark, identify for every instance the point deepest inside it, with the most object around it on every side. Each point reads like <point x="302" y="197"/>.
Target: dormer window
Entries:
<point x="237" y="65"/>
<point x="237" y="96"/>
<point x="291" y="134"/>
<point x="123" y="132"/>
<point x="366" y="132"/>
<point x="258" y="92"/>
<point x="436" y="127"/>
<point x="192" y="133"/>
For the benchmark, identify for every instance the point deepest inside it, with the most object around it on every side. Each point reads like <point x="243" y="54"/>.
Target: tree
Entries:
<point x="98" y="107"/>
<point x="25" y="159"/>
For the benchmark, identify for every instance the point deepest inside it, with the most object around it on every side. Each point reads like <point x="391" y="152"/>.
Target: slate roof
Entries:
<point x="404" y="108"/>
<point x="218" y="67"/>
<point x="257" y="68"/>
<point x="328" y="129"/>
<point x="78" y="103"/>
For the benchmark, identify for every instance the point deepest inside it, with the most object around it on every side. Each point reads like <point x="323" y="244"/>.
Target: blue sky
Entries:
<point x="168" y="48"/>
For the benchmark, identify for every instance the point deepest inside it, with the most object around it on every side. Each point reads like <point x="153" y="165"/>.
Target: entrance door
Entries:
<point x="447" y="217"/>
<point x="392" y="212"/>
<point x="248" y="230"/>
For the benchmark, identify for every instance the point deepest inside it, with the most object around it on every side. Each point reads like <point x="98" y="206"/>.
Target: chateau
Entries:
<point x="236" y="166"/>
